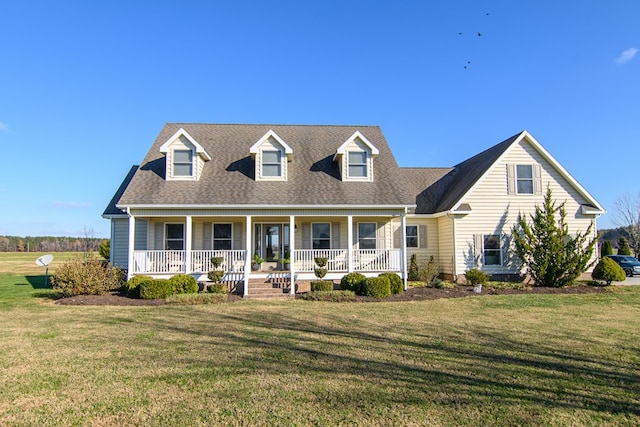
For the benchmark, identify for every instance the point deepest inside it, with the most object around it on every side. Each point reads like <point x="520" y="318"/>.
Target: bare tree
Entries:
<point x="627" y="216"/>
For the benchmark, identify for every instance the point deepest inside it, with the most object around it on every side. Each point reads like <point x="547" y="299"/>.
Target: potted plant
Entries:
<point x="257" y="261"/>
<point x="286" y="261"/>
<point x="476" y="278"/>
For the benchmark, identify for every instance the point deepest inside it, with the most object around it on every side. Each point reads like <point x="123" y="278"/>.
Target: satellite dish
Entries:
<point x="44" y="260"/>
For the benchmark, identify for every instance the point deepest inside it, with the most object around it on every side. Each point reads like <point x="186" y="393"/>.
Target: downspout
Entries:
<point x="453" y="246"/>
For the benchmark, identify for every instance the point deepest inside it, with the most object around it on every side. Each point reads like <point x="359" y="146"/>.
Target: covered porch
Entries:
<point x="164" y="245"/>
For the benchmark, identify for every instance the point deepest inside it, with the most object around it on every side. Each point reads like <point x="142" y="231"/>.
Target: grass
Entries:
<point x="503" y="360"/>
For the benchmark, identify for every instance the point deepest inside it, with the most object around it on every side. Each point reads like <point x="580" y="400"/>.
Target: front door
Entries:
<point x="272" y="241"/>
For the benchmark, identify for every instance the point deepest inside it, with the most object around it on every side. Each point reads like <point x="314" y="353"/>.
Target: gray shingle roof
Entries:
<point x="443" y="194"/>
<point x="228" y="179"/>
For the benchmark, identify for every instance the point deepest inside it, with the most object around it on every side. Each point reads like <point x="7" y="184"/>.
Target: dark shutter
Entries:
<point x="422" y="234"/>
<point x="306" y="235"/>
<point x="335" y="235"/>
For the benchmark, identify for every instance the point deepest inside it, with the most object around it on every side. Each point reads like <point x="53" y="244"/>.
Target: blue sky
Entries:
<point x="85" y="87"/>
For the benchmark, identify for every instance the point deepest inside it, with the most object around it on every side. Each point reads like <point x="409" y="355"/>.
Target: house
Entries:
<point x="291" y="192"/>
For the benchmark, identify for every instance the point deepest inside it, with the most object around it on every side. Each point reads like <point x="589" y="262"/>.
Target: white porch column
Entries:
<point x="292" y="247"/>
<point x="132" y="241"/>
<point x="404" y="251"/>
<point x="247" y="261"/>
<point x="187" y="244"/>
<point x="350" y="243"/>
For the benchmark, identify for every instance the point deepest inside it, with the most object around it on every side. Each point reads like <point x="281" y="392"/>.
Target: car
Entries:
<point x="629" y="264"/>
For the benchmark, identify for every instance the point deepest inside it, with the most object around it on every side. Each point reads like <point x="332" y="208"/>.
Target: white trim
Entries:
<point x="271" y="134"/>
<point x="356" y="135"/>
<point x="263" y="206"/>
<point x="164" y="148"/>
<point x="538" y="147"/>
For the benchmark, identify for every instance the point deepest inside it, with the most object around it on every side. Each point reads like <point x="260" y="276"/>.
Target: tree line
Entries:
<point x="49" y="244"/>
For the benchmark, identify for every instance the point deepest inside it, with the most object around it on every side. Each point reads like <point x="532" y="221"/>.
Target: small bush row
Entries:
<point x="146" y="287"/>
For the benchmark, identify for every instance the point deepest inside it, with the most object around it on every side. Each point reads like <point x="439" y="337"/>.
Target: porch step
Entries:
<point x="266" y="289"/>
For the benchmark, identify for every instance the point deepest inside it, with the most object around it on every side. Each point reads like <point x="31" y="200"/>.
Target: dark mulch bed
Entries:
<point x="413" y="294"/>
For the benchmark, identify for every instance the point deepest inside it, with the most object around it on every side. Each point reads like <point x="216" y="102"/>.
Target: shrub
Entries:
<point x="218" y="288"/>
<point x="320" y="272"/>
<point x="429" y="272"/>
<point x="608" y="270"/>
<point x="215" y="276"/>
<point x="396" y="283"/>
<point x="105" y="249"/>
<point x="196" y="299"/>
<point x="476" y="277"/>
<point x="607" y="249"/>
<point x="321" y="262"/>
<point x="155" y="289"/>
<point x="623" y="247"/>
<point x="438" y="283"/>
<point x="376" y="287"/>
<point x="80" y="277"/>
<point x="549" y="253"/>
<point x="183" y="284"/>
<point x="352" y="282"/>
<point x="216" y="261"/>
<point x="321" y="285"/>
<point x="414" y="273"/>
<point x="133" y="285"/>
<point x="332" y="296"/>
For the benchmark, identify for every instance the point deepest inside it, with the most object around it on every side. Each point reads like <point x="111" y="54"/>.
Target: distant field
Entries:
<point x="25" y="262"/>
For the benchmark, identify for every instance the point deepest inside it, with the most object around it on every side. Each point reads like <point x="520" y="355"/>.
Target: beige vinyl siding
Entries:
<point x="494" y="211"/>
<point x="445" y="244"/>
<point x="183" y="143"/>
<point x="120" y="242"/>
<point x="422" y="253"/>
<point x="271" y="145"/>
<point x="356" y="145"/>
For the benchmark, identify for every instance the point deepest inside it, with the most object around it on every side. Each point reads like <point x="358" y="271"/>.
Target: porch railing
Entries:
<point x="377" y="260"/>
<point x="232" y="261"/>
<point x="304" y="260"/>
<point x="363" y="259"/>
<point x="158" y="261"/>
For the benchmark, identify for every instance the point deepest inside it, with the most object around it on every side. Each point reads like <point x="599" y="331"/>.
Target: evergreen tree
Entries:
<point x="623" y="247"/>
<point x="607" y="249"/>
<point x="551" y="255"/>
<point x="414" y="272"/>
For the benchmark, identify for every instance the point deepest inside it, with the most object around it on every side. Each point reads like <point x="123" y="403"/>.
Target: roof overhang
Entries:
<point x="271" y="134"/>
<point x="164" y="148"/>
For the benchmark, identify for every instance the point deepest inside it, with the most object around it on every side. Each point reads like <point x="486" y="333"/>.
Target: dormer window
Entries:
<point x="271" y="164"/>
<point x="355" y="158"/>
<point x="271" y="155"/>
<point x="357" y="164"/>
<point x="182" y="163"/>
<point x="184" y="157"/>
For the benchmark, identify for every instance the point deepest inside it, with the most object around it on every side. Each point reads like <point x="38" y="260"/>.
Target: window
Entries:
<point x="222" y="237"/>
<point x="271" y="163"/>
<point x="367" y="235"/>
<point x="412" y="236"/>
<point x="174" y="237"/>
<point x="321" y="235"/>
<point x="182" y="163"/>
<point x="524" y="179"/>
<point x="491" y="250"/>
<point x="357" y="164"/>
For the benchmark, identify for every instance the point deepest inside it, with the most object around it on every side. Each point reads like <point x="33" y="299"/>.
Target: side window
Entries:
<point x="367" y="235"/>
<point x="524" y="179"/>
<point x="492" y="252"/>
<point x="321" y="235"/>
<point x="412" y="236"/>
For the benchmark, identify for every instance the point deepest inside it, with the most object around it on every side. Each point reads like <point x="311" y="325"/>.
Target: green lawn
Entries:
<point x="561" y="360"/>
